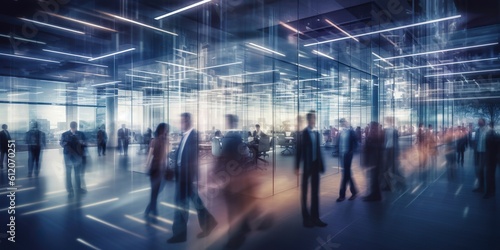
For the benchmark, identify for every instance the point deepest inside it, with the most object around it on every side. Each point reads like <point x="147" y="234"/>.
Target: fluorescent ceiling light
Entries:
<point x="383" y="59"/>
<point x="182" y="9"/>
<point x="143" y="77"/>
<point x="463" y="73"/>
<point x="173" y="80"/>
<point x="89" y="73"/>
<point x="251" y="73"/>
<point x="386" y="30"/>
<point x="305" y="67"/>
<point x="265" y="49"/>
<point x="177" y="65"/>
<point x="21" y="39"/>
<point x="221" y="65"/>
<point x="290" y="27"/>
<point x="134" y="80"/>
<point x="81" y="22"/>
<point x="64" y="53"/>
<point x="91" y="64"/>
<point x="187" y="52"/>
<point x="24" y="93"/>
<point x="53" y="26"/>
<point x="148" y="72"/>
<point x="322" y="54"/>
<point x="141" y="24"/>
<point x="343" y="31"/>
<point x="29" y="58"/>
<point x="112" y="54"/>
<point x="378" y="65"/>
<point x="105" y="83"/>
<point x="437" y="51"/>
<point x="450" y="63"/>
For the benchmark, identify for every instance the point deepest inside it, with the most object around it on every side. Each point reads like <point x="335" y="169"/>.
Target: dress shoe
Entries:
<point x="477" y="190"/>
<point x="308" y="224"/>
<point x="319" y="223"/>
<point x="207" y="232"/>
<point x="353" y="196"/>
<point x="176" y="239"/>
<point x="340" y="199"/>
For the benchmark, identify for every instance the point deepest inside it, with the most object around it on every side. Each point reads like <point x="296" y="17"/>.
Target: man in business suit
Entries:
<point x="123" y="139"/>
<point x="73" y="142"/>
<point x="186" y="176"/>
<point x="102" y="139"/>
<point x="390" y="170"/>
<point x="35" y="139"/>
<point x="309" y="151"/>
<point x="4" y="144"/>
<point x="348" y="142"/>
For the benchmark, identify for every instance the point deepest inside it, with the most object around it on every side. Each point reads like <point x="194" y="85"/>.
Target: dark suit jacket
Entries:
<point x="304" y="151"/>
<point x="73" y="144"/>
<point x="123" y="134"/>
<point x="353" y="141"/>
<point x="4" y="140"/>
<point x="187" y="173"/>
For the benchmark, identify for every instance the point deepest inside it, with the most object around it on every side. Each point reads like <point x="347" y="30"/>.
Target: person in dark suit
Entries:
<point x="390" y="170"/>
<point x="480" y="153"/>
<point x="73" y="142"/>
<point x="348" y="142"/>
<point x="461" y="145"/>
<point x="492" y="142"/>
<point x="4" y="144"/>
<point x="156" y="162"/>
<point x="309" y="151"/>
<point x="102" y="140"/>
<point x="123" y="139"/>
<point x="186" y="176"/>
<point x="372" y="159"/>
<point x="35" y="139"/>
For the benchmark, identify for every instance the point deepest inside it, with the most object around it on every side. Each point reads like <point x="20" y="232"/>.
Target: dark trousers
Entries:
<point x="491" y="167"/>
<point x="34" y="160"/>
<point x="181" y="216"/>
<point x="346" y="159"/>
<point x="3" y="153"/>
<point x="73" y="163"/>
<point x="460" y="157"/>
<point x="314" y="176"/>
<point x="480" y="162"/>
<point x="101" y="148"/>
<point x="123" y="146"/>
<point x="156" y="184"/>
<point x="375" y="182"/>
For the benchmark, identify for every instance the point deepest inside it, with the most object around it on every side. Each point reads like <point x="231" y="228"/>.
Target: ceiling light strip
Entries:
<point x="182" y="9"/>
<point x="386" y="30"/>
<point x="463" y="73"/>
<point x="141" y="24"/>
<point x="105" y="83"/>
<point x="21" y="39"/>
<point x="112" y="54"/>
<point x="52" y="26"/>
<point x="450" y="63"/>
<point x="81" y="22"/>
<point x="29" y="58"/>
<point x="322" y="54"/>
<point x="343" y="31"/>
<point x="265" y="49"/>
<point x="290" y="27"/>
<point x="438" y="51"/>
<point x="64" y="53"/>
<point x="383" y="59"/>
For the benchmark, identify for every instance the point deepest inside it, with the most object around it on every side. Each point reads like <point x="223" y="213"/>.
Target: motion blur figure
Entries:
<point x="186" y="185"/>
<point x="348" y="143"/>
<point x="309" y="152"/>
<point x="123" y="139"/>
<point x="102" y="139"/>
<point x="35" y="139"/>
<point x="372" y="159"/>
<point x="4" y="144"/>
<point x="156" y="163"/>
<point x="391" y="174"/>
<point x="450" y="149"/>
<point x="492" y="147"/>
<point x="461" y="145"/>
<point x="73" y="142"/>
<point x="480" y="153"/>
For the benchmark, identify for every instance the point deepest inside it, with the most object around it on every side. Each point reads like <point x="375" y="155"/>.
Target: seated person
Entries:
<point x="254" y="145"/>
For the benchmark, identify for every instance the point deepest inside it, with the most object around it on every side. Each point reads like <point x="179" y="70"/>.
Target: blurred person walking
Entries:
<point x="35" y="139"/>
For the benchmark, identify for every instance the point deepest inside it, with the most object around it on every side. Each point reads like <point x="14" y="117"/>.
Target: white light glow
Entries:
<point x="143" y="77"/>
<point x="29" y="58"/>
<point x="175" y="64"/>
<point x="21" y="39"/>
<point x="386" y="30"/>
<point x="176" y="207"/>
<point x="264" y="49"/>
<point x="450" y="63"/>
<point x="65" y="53"/>
<point x="114" y="226"/>
<point x="250" y="73"/>
<point x="99" y="203"/>
<point x="91" y="64"/>
<point x="87" y="244"/>
<point x="141" y="24"/>
<point x="437" y="51"/>
<point x="112" y="54"/>
<point x="144" y="222"/>
<point x="182" y="9"/>
<point x="343" y="31"/>
<point x="187" y="52"/>
<point x="383" y="59"/>
<point x="52" y="26"/>
<point x="322" y="54"/>
<point x="82" y="22"/>
<point x="463" y="73"/>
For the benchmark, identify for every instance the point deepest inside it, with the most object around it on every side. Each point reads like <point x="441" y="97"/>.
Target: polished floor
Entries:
<point x="434" y="211"/>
